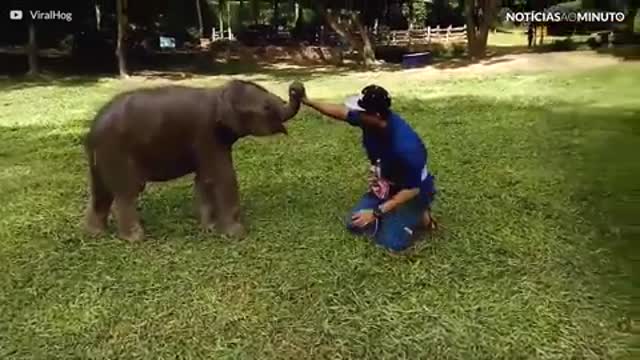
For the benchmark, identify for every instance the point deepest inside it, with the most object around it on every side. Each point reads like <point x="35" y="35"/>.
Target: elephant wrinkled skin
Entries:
<point x="164" y="133"/>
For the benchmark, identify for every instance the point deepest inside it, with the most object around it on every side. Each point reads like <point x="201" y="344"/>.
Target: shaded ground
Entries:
<point x="444" y="70"/>
<point x="525" y="63"/>
<point x="533" y="62"/>
<point x="537" y="174"/>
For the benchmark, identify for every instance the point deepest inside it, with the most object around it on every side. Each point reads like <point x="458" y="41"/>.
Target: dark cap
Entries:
<point x="375" y="99"/>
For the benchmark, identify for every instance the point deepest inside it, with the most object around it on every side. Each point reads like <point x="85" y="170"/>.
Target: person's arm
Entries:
<point x="365" y="217"/>
<point x="398" y="199"/>
<point x="335" y="111"/>
<point x="415" y="163"/>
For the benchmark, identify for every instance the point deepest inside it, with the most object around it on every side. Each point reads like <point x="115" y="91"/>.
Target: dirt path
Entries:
<point x="560" y="62"/>
<point x="516" y="63"/>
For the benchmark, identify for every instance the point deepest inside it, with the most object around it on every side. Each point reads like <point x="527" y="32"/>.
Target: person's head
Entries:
<point x="375" y="105"/>
<point x="375" y="100"/>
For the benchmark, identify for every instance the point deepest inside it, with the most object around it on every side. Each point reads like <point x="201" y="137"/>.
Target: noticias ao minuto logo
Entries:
<point x="565" y="16"/>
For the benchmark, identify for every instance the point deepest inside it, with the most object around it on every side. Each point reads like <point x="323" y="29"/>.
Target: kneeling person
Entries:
<point x="401" y="189"/>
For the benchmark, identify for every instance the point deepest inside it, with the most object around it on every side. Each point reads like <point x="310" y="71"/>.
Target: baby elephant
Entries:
<point x="165" y="133"/>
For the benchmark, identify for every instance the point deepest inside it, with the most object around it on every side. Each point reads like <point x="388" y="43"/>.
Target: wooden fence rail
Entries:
<point x="382" y="37"/>
<point x="429" y="35"/>
<point x="217" y="35"/>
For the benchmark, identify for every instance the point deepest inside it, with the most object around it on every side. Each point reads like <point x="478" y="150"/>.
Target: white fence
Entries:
<point x="429" y="35"/>
<point x="217" y="35"/>
<point x="425" y="36"/>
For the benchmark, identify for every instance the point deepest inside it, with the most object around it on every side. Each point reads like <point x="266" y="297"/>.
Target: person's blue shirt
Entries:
<point x="400" y="152"/>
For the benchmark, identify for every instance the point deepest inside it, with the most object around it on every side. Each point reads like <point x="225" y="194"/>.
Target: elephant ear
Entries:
<point x="246" y="108"/>
<point x="226" y="112"/>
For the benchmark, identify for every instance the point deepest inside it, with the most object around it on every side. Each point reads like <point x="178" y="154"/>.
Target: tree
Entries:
<point x="350" y="29"/>
<point x="297" y="12"/>
<point x="200" y="22"/>
<point x="241" y="10"/>
<point x="32" y="50"/>
<point x="255" y="11"/>
<point x="630" y="16"/>
<point x="98" y="15"/>
<point x="121" y="9"/>
<point x="276" y="12"/>
<point x="479" y="16"/>
<point x="221" y="4"/>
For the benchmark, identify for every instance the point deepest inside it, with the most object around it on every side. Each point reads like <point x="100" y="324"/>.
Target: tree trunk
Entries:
<point x="276" y="7"/>
<point x="471" y="28"/>
<point x="630" y="19"/>
<point x="220" y="17"/>
<point x="241" y="12"/>
<point x="255" y="11"/>
<point x="368" y="54"/>
<point x="479" y="15"/>
<point x="229" y="19"/>
<point x="297" y="12"/>
<point x="363" y="46"/>
<point x="200" y="23"/>
<point x="32" y="51"/>
<point x="98" y="16"/>
<point x="121" y="46"/>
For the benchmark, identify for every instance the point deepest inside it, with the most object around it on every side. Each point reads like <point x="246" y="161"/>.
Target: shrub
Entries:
<point x="593" y="43"/>
<point x="458" y="50"/>
<point x="564" y="45"/>
<point x="437" y="50"/>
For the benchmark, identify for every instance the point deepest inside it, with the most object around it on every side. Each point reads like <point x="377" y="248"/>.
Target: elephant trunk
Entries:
<point x="290" y="110"/>
<point x="296" y="93"/>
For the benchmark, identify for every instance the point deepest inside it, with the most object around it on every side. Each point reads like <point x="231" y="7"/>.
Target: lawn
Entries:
<point x="538" y="178"/>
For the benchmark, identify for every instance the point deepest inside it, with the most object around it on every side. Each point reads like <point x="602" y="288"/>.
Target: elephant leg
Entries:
<point x="100" y="200"/>
<point x="218" y="176"/>
<point x="125" y="178"/>
<point x="204" y="202"/>
<point x="129" y="227"/>
<point x="227" y="199"/>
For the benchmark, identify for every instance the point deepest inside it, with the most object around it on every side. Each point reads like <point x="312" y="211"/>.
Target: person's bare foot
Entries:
<point x="428" y="222"/>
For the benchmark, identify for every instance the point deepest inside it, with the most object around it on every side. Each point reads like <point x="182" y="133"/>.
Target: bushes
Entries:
<point x="458" y="49"/>
<point x="437" y="50"/>
<point x="563" y="45"/>
<point x="593" y="43"/>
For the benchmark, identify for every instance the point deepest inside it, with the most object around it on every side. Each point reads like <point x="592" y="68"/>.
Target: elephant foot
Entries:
<point x="209" y="227"/>
<point x="136" y="234"/>
<point x="234" y="230"/>
<point x="95" y="225"/>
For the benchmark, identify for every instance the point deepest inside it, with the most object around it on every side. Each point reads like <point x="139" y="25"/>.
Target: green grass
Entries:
<point x="538" y="193"/>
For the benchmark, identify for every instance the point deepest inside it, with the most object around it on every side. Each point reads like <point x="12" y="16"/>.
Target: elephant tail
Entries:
<point x="97" y="184"/>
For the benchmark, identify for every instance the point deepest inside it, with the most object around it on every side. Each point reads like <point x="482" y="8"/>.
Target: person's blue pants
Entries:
<point x="395" y="230"/>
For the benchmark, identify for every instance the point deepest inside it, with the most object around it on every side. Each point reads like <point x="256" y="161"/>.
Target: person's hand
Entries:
<point x="363" y="218"/>
<point x="304" y="99"/>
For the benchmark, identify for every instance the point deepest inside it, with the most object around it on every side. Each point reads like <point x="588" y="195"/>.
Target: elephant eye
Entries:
<point x="268" y="109"/>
